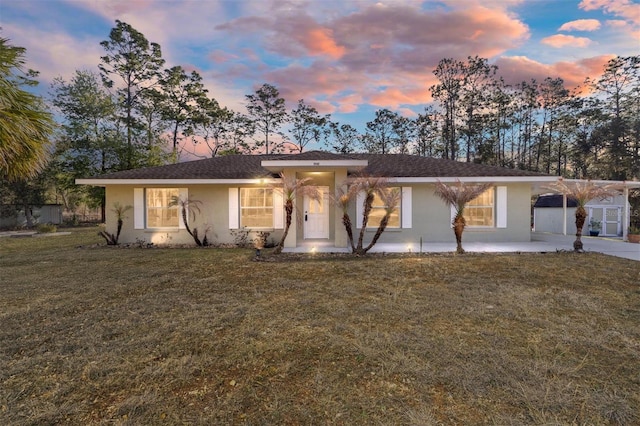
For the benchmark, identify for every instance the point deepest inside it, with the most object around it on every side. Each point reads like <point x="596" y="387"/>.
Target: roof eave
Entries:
<point x="476" y="179"/>
<point x="173" y="182"/>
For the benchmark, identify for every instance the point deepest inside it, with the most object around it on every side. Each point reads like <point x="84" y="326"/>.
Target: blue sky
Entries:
<point x="345" y="57"/>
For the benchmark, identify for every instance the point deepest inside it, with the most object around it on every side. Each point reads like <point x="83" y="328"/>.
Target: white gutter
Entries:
<point x="476" y="179"/>
<point x="621" y="183"/>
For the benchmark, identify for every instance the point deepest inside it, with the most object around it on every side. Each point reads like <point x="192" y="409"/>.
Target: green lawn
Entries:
<point x="91" y="334"/>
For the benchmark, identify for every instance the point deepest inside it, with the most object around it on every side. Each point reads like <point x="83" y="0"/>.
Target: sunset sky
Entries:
<point x="347" y="57"/>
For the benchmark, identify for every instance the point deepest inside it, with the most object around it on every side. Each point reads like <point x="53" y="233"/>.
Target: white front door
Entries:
<point x="316" y="215"/>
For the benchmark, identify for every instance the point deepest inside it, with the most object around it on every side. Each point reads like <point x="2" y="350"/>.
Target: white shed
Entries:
<point x="548" y="215"/>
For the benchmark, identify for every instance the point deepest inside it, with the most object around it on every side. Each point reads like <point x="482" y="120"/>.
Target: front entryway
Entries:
<point x="316" y="215"/>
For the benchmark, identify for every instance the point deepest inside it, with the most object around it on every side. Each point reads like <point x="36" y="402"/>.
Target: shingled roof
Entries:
<point x="250" y="167"/>
<point x="402" y="165"/>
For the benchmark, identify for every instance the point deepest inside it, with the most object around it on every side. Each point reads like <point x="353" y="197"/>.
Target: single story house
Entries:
<point x="549" y="215"/>
<point x="239" y="192"/>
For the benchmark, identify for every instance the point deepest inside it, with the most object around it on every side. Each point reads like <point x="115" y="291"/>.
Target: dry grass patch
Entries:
<point x="98" y="335"/>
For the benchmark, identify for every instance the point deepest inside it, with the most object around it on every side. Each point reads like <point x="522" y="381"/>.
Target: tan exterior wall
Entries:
<point x="430" y="217"/>
<point x="213" y="214"/>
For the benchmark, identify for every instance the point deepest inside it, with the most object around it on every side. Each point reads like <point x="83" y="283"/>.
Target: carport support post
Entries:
<point x="564" y="214"/>
<point x="625" y="213"/>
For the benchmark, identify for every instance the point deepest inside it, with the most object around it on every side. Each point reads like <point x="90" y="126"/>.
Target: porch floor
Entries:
<point x="540" y="243"/>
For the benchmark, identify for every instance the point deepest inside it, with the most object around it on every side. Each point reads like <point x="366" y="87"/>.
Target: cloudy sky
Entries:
<point x="345" y="57"/>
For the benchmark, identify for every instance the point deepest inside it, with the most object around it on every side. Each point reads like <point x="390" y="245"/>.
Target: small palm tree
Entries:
<point x="342" y="199"/>
<point x="390" y="198"/>
<point x="581" y="193"/>
<point x="292" y="188"/>
<point x="191" y="206"/>
<point x="119" y="210"/>
<point x="459" y="196"/>
<point x="370" y="186"/>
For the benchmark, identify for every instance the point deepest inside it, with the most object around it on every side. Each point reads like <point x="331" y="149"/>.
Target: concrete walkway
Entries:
<point x="540" y="243"/>
<point x="27" y="234"/>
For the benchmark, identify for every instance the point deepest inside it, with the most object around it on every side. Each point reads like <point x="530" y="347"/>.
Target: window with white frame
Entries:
<point x="161" y="211"/>
<point x="256" y="207"/>
<point x="378" y="210"/>
<point x="480" y="211"/>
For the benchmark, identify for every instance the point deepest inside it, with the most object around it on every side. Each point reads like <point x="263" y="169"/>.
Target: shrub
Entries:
<point x="46" y="228"/>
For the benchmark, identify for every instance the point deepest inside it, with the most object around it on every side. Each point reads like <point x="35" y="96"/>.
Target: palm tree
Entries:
<point x="581" y="193"/>
<point x="342" y="200"/>
<point x="25" y="125"/>
<point x="292" y="188"/>
<point x="390" y="199"/>
<point x="191" y="206"/>
<point x="370" y="186"/>
<point x="459" y="196"/>
<point x="119" y="210"/>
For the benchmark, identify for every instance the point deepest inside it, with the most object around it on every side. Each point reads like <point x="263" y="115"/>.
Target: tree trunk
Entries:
<point x="186" y="226"/>
<point x="365" y="219"/>
<point x="458" y="228"/>
<point x="118" y="231"/>
<point x="581" y="216"/>
<point x="27" y="215"/>
<point x="288" y="207"/>
<point x="346" y="221"/>
<point x="383" y="225"/>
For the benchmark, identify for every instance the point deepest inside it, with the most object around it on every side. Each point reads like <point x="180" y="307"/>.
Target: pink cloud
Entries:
<point x="403" y="38"/>
<point x="323" y="107"/>
<point x="617" y="23"/>
<point x="220" y="56"/>
<point x="320" y="80"/>
<point x="319" y="41"/>
<point x="406" y="112"/>
<point x="581" y="25"/>
<point x="60" y="56"/>
<point x="624" y="8"/>
<point x="561" y="40"/>
<point x="516" y="69"/>
<point x="393" y="97"/>
<point x="349" y="103"/>
<point x="386" y="53"/>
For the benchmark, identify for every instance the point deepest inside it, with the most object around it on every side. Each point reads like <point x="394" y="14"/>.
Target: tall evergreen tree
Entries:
<point x="267" y="110"/>
<point x="381" y="136"/>
<point x="135" y="63"/>
<point x="344" y="138"/>
<point x="619" y="89"/>
<point x="181" y="93"/>
<point x="88" y="138"/>
<point x="427" y="134"/>
<point x="307" y="125"/>
<point x="450" y="74"/>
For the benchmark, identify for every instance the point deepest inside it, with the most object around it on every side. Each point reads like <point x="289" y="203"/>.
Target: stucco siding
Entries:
<point x="212" y="214"/>
<point x="430" y="217"/>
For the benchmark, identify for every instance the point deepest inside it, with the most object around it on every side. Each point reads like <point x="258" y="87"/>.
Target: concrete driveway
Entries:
<point x="604" y="245"/>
